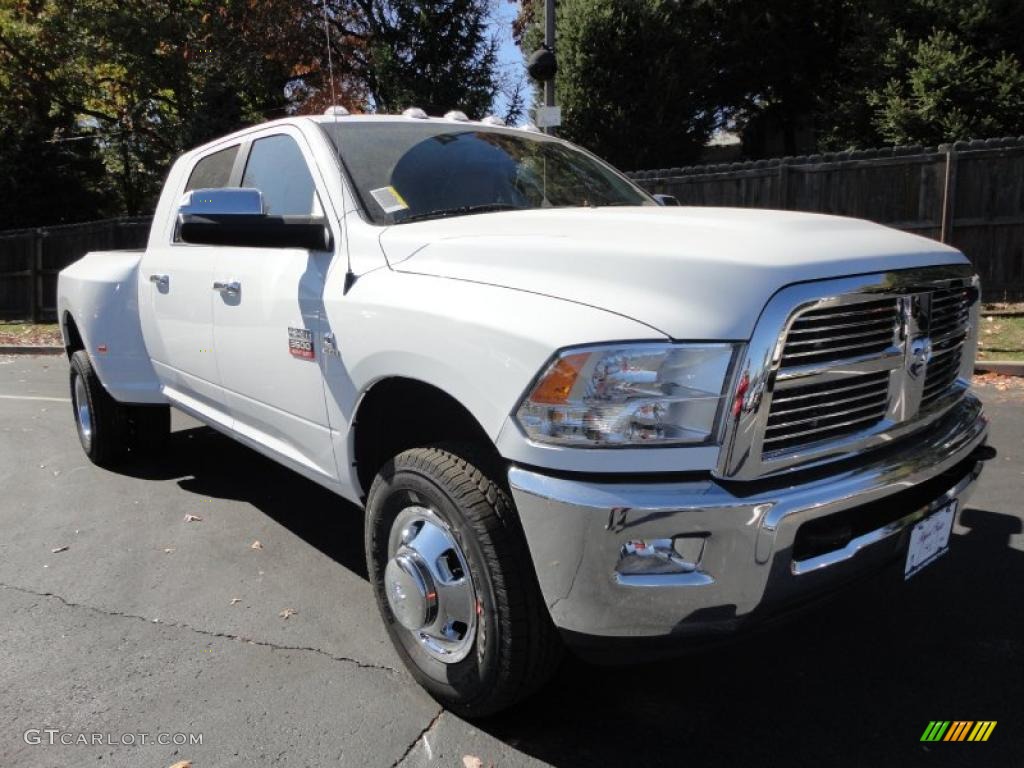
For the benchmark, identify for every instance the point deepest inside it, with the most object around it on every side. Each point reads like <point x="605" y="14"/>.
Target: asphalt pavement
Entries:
<point x="125" y="624"/>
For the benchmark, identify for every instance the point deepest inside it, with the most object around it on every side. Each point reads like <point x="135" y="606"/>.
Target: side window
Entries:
<point x="213" y="171"/>
<point x="277" y="168"/>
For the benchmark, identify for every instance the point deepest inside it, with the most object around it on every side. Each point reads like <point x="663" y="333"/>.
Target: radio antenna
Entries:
<point x="350" y="277"/>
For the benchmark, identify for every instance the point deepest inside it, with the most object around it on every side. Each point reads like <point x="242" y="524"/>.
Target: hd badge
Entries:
<point x="300" y="343"/>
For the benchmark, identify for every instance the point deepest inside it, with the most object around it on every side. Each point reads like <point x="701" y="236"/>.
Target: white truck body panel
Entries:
<point x="99" y="292"/>
<point x="692" y="273"/>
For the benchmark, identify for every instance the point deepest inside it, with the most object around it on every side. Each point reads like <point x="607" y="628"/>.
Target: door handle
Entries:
<point x="161" y="281"/>
<point x="232" y="287"/>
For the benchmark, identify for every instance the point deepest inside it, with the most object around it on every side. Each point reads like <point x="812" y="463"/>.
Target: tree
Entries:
<point x="633" y="77"/>
<point x="790" y="76"/>
<point x="943" y="90"/>
<point x="138" y="81"/>
<point x="433" y="54"/>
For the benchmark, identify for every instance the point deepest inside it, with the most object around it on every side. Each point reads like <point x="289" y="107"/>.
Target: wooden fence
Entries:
<point x="968" y="194"/>
<point x="31" y="258"/>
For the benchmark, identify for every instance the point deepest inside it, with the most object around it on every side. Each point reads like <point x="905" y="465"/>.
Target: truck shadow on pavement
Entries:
<point x="212" y="465"/>
<point x="853" y="681"/>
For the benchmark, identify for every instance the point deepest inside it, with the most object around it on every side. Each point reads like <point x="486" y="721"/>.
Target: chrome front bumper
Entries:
<point x="729" y="552"/>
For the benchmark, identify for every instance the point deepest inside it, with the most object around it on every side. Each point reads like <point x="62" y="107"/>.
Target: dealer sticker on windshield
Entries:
<point x="388" y="199"/>
<point x="929" y="539"/>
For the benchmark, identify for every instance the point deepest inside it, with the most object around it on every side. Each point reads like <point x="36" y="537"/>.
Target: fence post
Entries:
<point x="35" y="276"/>
<point x="948" y="193"/>
<point x="783" y="192"/>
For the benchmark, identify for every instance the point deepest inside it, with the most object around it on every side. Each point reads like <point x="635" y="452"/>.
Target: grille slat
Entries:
<point x="830" y="432"/>
<point x="806" y="414"/>
<point x="841" y="332"/>
<point x="866" y="324"/>
<point x="786" y="408"/>
<point x="873" y="405"/>
<point x="868" y="336"/>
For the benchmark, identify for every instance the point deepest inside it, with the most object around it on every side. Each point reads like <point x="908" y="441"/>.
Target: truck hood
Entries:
<point x="690" y="273"/>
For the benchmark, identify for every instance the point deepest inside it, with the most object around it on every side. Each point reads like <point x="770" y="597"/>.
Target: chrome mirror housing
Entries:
<point x="226" y="201"/>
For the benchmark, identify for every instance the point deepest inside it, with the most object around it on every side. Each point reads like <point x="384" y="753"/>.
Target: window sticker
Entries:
<point x="388" y="199"/>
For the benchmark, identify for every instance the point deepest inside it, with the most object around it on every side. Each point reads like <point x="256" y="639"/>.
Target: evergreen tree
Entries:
<point x="433" y="54"/>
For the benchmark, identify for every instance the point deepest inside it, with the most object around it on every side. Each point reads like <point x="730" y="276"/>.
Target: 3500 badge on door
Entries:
<point x="300" y="343"/>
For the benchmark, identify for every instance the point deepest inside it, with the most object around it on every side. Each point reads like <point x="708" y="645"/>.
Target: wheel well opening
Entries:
<point x="74" y="338"/>
<point x="399" y="413"/>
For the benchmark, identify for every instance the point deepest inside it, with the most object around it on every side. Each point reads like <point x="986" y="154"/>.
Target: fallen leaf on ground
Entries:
<point x="55" y="550"/>
<point x="193" y="519"/>
<point x="287" y="613"/>
<point x="1000" y="382"/>
<point x="256" y="545"/>
<point x="182" y="764"/>
<point x="235" y="600"/>
<point x="472" y="761"/>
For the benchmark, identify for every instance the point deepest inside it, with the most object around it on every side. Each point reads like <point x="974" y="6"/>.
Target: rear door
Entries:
<point x="176" y="299"/>
<point x="266" y="332"/>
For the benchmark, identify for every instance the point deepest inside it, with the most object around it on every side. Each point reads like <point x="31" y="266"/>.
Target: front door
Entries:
<point x="267" y="316"/>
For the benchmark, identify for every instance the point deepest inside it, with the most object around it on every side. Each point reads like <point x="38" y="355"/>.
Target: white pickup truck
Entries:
<point x="574" y="416"/>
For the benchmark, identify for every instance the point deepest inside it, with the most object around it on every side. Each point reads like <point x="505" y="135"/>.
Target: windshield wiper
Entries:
<point x="462" y="210"/>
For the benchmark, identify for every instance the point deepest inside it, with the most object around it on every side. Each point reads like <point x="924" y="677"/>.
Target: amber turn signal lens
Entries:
<point x="555" y="386"/>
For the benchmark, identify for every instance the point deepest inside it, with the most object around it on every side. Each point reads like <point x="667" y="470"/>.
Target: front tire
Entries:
<point x="454" y="582"/>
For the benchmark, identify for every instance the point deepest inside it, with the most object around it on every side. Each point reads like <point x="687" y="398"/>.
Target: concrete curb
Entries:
<point x="1004" y="367"/>
<point x="30" y="349"/>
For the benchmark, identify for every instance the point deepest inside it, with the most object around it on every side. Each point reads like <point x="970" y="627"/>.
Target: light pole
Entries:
<point x="549" y="41"/>
<point x="542" y="66"/>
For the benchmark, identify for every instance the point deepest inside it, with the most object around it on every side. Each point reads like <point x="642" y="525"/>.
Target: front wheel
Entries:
<point x="454" y="582"/>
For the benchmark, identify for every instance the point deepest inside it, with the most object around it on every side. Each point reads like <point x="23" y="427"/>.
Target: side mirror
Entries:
<point x="666" y="199"/>
<point x="235" y="217"/>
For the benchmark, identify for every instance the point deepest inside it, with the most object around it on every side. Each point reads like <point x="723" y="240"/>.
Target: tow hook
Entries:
<point x="984" y="453"/>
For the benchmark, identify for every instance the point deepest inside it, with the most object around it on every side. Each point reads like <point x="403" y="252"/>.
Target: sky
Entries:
<point x="510" y="60"/>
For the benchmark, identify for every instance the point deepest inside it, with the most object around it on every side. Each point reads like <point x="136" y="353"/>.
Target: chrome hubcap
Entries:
<point x="82" y="413"/>
<point x="429" y="586"/>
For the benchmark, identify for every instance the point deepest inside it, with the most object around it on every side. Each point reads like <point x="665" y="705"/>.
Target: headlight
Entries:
<point x="630" y="394"/>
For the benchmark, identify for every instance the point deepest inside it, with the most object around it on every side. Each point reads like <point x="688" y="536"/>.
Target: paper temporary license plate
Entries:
<point x="930" y="539"/>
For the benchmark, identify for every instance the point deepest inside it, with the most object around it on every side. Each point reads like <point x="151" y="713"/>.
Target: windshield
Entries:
<point x="409" y="171"/>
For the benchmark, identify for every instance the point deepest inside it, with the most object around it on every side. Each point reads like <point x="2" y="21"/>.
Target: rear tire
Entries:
<point x="475" y="665"/>
<point x="101" y="421"/>
<point x="107" y="429"/>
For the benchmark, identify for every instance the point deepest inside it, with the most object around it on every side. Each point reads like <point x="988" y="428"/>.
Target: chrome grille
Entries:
<point x="845" y="365"/>
<point x="841" y="331"/>
<point x="805" y="414"/>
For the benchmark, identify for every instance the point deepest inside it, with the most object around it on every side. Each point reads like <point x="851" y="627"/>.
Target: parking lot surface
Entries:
<point x="123" y="619"/>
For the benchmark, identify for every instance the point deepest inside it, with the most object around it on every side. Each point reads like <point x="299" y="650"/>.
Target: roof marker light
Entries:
<point x="456" y="114"/>
<point x="336" y="111"/>
<point x="415" y="112"/>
